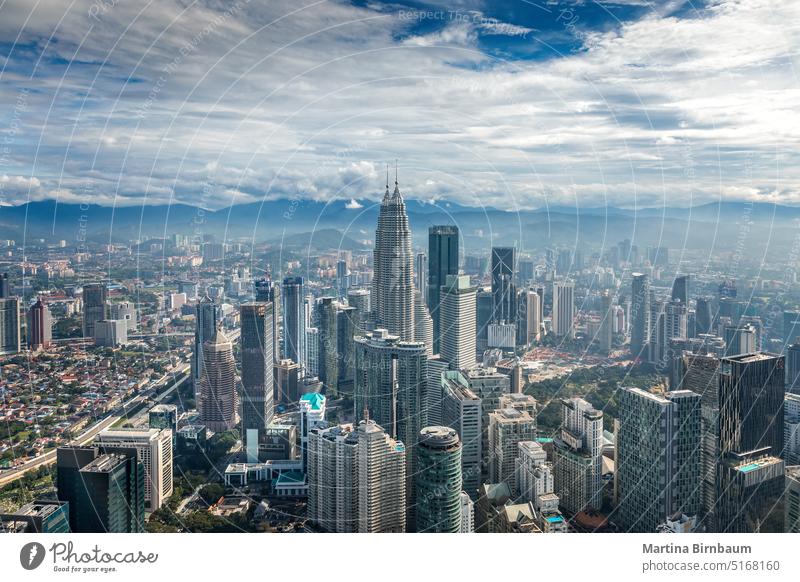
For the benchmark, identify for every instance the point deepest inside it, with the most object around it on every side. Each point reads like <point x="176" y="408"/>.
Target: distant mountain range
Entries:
<point x="351" y="225"/>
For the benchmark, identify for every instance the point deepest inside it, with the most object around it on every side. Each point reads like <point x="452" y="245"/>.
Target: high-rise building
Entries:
<point x="739" y="339"/>
<point x="421" y="275"/>
<point x="328" y="338"/>
<point x="578" y="456"/>
<point x="390" y="382"/>
<point x="467" y="513"/>
<point x="346" y="325"/>
<point x="507" y="428"/>
<point x="534" y="474"/>
<point x="294" y="320"/>
<point x="791" y="429"/>
<point x="489" y="386"/>
<point x="311" y="408"/>
<point x="111" y="333"/>
<point x="793" y="368"/>
<point x="342" y="278"/>
<point x="258" y="390"/>
<point x="703" y="317"/>
<point x="269" y="292"/>
<point x="218" y="397"/>
<point x="461" y="410"/>
<point x="10" y="334"/>
<point x="564" y="309"/>
<point x="640" y="314"/>
<point x="534" y="313"/>
<point x="503" y="287"/>
<point x="792" y="500"/>
<point x="791" y="327"/>
<point x="457" y="326"/>
<point x="40" y="325"/>
<point x="606" y="323"/>
<point x="205" y="325"/>
<point x="311" y="364"/>
<point x="154" y="449"/>
<point x="164" y="416"/>
<point x="742" y="422"/>
<point x="438" y="480"/>
<point x="680" y="289"/>
<point x="423" y="324"/>
<point x="125" y="310"/>
<point x="393" y="266"/>
<point x="333" y="491"/>
<point x="95" y="306"/>
<point x="442" y="262"/>
<point x="105" y="491"/>
<point x="39" y="516"/>
<point x="359" y="298"/>
<point x="658" y="455"/>
<point x="5" y="286"/>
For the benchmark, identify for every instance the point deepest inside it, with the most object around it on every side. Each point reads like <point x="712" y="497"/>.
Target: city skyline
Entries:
<point x="246" y="336"/>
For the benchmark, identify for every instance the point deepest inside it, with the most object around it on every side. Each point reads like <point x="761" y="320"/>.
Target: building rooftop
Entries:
<point x="316" y="401"/>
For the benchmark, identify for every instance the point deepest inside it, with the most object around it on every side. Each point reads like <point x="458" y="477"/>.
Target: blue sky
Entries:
<point x="514" y="104"/>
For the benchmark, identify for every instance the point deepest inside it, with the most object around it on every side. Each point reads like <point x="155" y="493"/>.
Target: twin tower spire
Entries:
<point x="396" y="185"/>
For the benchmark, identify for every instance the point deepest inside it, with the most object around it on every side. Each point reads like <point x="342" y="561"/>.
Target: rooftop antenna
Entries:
<point x="395" y="171"/>
<point x="387" y="175"/>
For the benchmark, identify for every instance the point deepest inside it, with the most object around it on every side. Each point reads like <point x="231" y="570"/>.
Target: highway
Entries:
<point x="128" y="408"/>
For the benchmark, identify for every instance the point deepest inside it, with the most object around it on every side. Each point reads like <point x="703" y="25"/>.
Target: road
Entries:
<point x="127" y="408"/>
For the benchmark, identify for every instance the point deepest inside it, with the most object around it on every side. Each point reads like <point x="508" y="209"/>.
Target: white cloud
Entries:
<point x="281" y="100"/>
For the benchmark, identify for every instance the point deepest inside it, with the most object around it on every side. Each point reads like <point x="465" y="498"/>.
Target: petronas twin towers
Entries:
<point x="392" y="283"/>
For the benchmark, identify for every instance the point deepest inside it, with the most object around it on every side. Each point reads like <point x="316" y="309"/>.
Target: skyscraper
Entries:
<point x="703" y="317"/>
<point x="791" y="327"/>
<point x="421" y="274"/>
<point x="294" y="320"/>
<point x="154" y="449"/>
<point x="95" y="306"/>
<point x="507" y="428"/>
<point x="457" y="312"/>
<point x="739" y="339"/>
<point x="218" y="398"/>
<point x="105" y="491"/>
<point x="534" y="314"/>
<point x="484" y="309"/>
<point x="205" y="325"/>
<point x="564" y="309"/>
<point x="258" y="390"/>
<point x="393" y="266"/>
<point x="750" y="480"/>
<point x="793" y="368"/>
<point x="332" y="457"/>
<point x="640" y="314"/>
<point x="442" y="261"/>
<point x="578" y="456"/>
<point x="10" y="334"/>
<point x="390" y="380"/>
<point x="40" y="325"/>
<point x="606" y="323"/>
<point x="390" y="384"/>
<point x="5" y="286"/>
<point x="680" y="289"/>
<point x="438" y="480"/>
<point x="461" y="410"/>
<point x="658" y="458"/>
<point x="503" y="288"/>
<point x="328" y="338"/>
<point x="267" y="291"/>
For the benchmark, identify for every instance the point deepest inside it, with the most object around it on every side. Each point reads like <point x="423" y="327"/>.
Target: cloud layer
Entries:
<point x="217" y="103"/>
